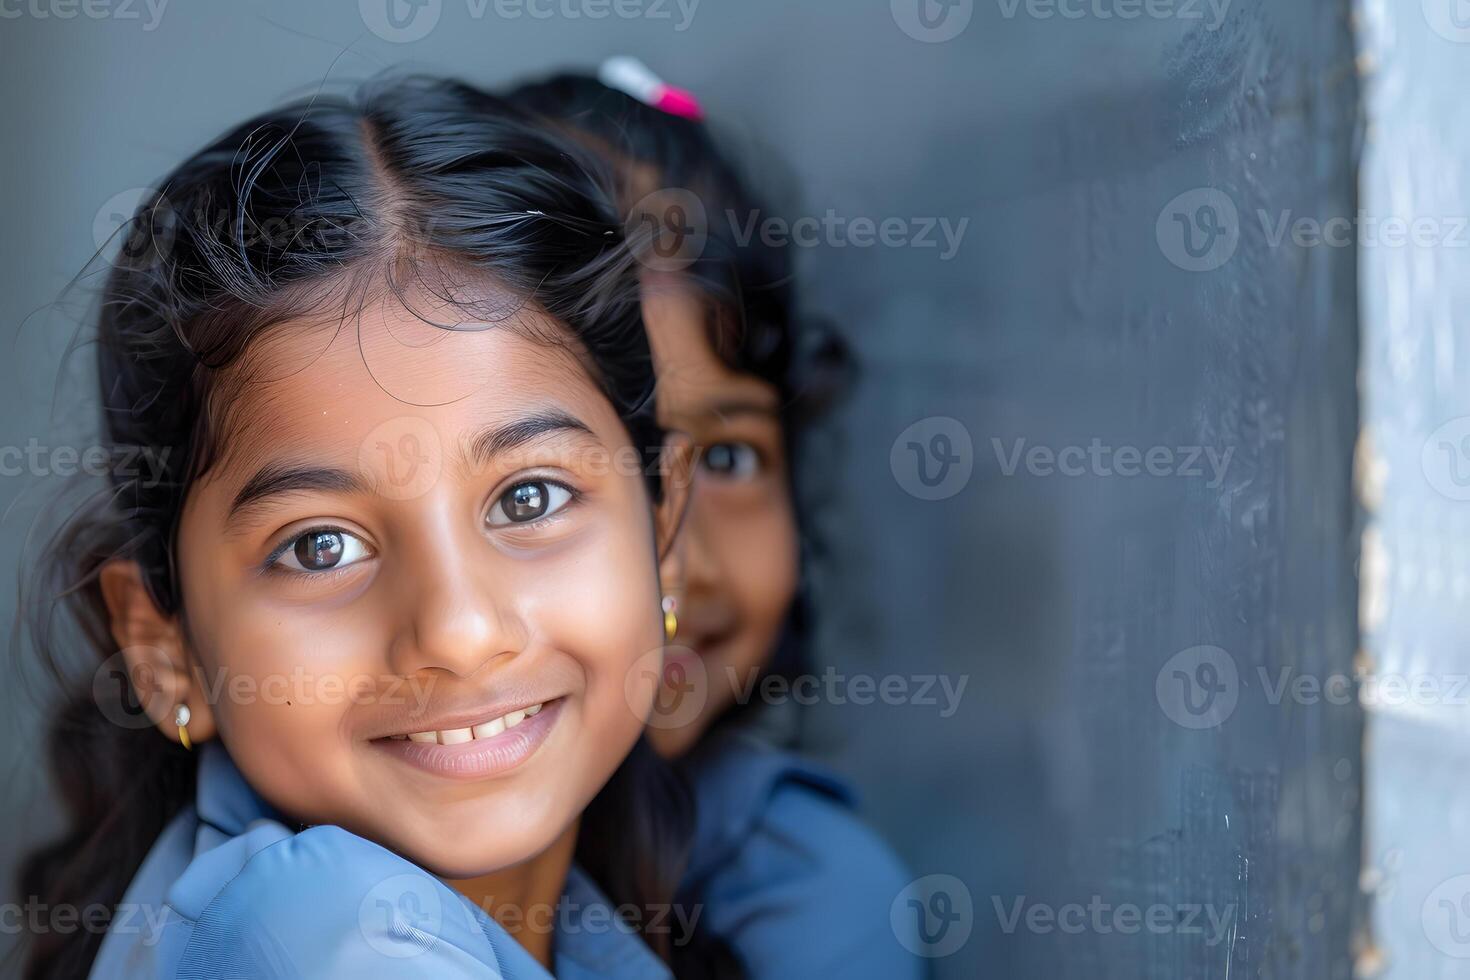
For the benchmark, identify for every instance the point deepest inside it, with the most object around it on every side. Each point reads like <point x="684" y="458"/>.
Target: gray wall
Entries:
<point x="1074" y="770"/>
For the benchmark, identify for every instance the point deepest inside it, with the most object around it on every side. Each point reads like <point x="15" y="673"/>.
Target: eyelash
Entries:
<point x="272" y="566"/>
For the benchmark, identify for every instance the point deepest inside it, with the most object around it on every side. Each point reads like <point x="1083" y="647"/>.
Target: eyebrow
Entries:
<point x="276" y="479"/>
<point x="727" y="407"/>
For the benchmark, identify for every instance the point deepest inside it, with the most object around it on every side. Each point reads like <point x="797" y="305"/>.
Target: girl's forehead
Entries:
<point x="309" y="387"/>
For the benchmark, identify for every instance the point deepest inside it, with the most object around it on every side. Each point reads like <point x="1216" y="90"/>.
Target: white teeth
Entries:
<point x="488" y="729"/>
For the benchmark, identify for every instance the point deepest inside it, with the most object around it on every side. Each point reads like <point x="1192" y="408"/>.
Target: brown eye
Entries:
<point x="528" y="501"/>
<point x="321" y="550"/>
<point x="731" y="460"/>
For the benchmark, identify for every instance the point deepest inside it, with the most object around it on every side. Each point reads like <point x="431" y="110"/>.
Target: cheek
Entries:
<point x="601" y="608"/>
<point x="280" y="682"/>
<point x="761" y="556"/>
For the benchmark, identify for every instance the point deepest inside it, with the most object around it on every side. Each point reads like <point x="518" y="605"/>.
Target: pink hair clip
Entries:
<point x="631" y="76"/>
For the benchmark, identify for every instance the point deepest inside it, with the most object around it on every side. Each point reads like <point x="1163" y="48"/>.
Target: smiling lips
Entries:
<point x="488" y="729"/>
<point x="479" y="751"/>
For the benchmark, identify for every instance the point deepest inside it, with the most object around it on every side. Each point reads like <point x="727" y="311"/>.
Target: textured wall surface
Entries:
<point x="1127" y="280"/>
<point x="1098" y="467"/>
<point x="1415" y="483"/>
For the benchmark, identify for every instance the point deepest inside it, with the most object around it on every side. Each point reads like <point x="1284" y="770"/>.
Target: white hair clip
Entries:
<point x="632" y="77"/>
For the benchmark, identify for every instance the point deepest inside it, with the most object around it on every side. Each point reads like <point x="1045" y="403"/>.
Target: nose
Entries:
<point x="459" y="612"/>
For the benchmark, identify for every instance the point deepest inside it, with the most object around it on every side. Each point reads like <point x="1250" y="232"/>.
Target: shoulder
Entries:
<point x="735" y="777"/>
<point x="323" y="902"/>
<point x="787" y="869"/>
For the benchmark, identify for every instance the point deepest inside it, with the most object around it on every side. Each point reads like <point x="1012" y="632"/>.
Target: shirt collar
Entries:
<point x="591" y="940"/>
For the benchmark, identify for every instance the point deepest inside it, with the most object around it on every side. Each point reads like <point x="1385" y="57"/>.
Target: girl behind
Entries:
<point x="789" y="876"/>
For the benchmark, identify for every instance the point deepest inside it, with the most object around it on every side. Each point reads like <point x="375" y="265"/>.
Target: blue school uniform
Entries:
<point x="241" y="895"/>
<point x="787" y="877"/>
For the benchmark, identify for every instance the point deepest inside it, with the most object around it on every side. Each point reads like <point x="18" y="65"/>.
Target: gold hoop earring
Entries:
<point x="181" y="718"/>
<point x="671" y="621"/>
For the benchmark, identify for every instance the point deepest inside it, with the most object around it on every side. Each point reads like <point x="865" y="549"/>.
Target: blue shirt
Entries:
<point x="241" y="895"/>
<point x="788" y="875"/>
<point x="783" y="870"/>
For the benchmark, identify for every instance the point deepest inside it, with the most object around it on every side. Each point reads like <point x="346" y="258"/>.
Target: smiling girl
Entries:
<point x="788" y="875"/>
<point x="418" y="499"/>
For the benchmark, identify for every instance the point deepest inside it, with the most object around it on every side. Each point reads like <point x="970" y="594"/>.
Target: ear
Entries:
<point x="152" y="645"/>
<point x="676" y="471"/>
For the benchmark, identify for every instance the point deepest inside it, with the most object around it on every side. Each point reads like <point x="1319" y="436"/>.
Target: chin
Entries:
<point x="469" y="857"/>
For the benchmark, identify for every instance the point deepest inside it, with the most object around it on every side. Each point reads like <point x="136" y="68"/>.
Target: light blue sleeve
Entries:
<point x="808" y="894"/>
<point x="327" y="903"/>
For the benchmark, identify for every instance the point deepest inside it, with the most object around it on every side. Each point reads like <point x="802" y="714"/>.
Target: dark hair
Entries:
<point x="752" y="321"/>
<point x="299" y="212"/>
